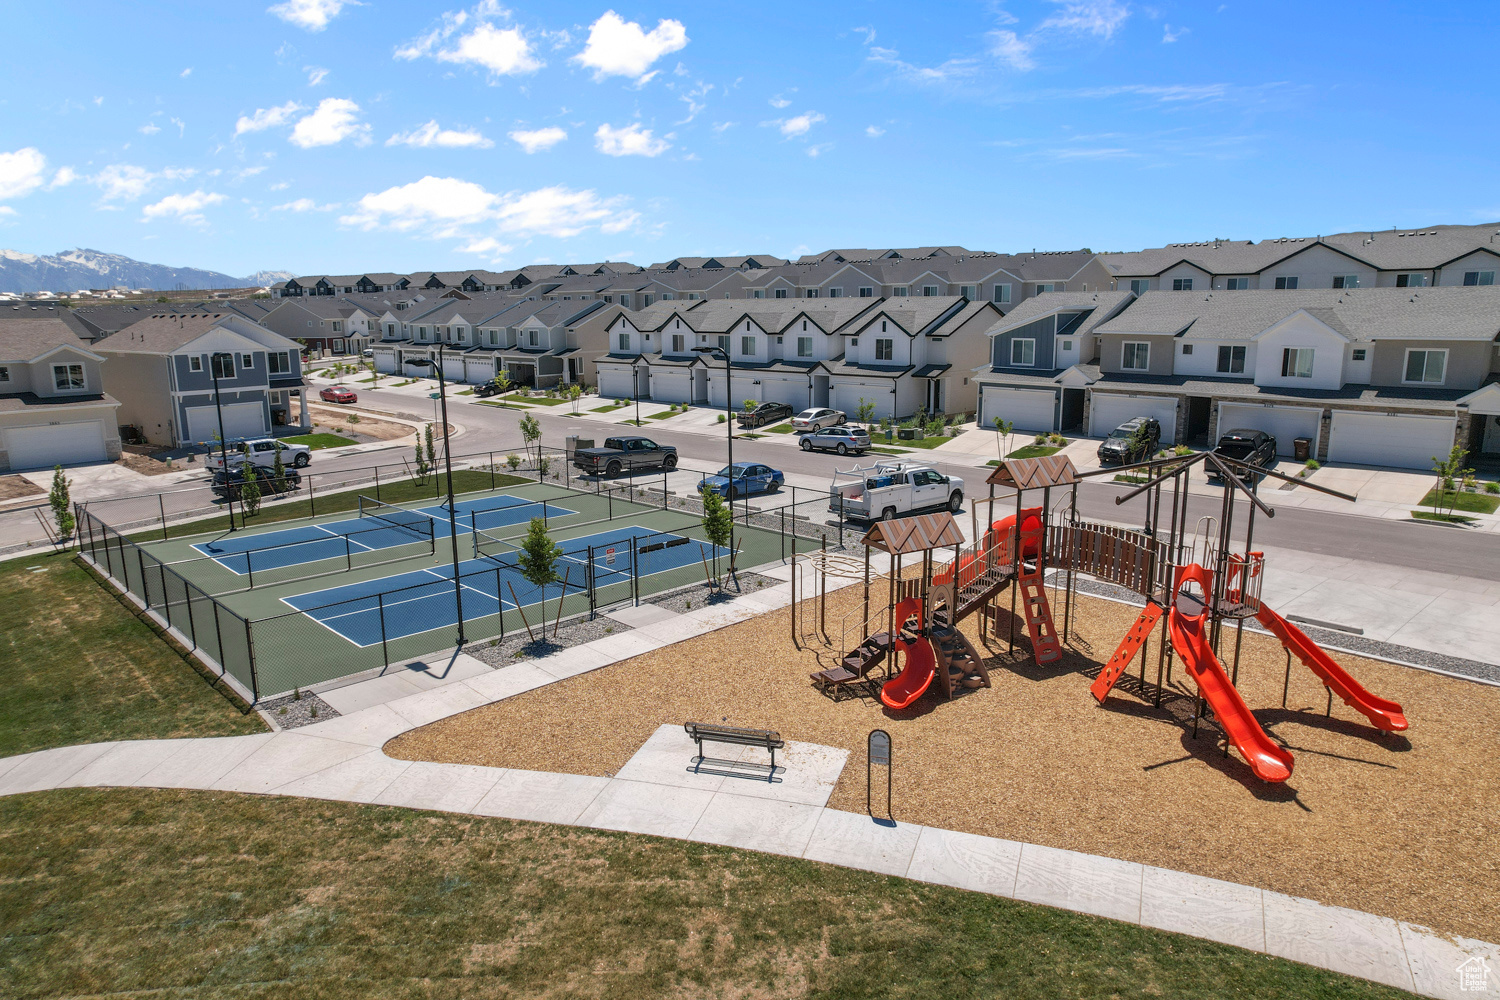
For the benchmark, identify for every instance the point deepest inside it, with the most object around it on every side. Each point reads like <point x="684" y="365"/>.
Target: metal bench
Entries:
<point x="698" y="732"/>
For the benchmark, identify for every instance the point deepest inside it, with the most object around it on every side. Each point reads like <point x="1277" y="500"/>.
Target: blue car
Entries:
<point x="749" y="477"/>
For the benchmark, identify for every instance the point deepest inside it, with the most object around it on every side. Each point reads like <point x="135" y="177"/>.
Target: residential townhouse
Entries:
<point x="53" y="407"/>
<point x="742" y="262"/>
<point x="1377" y="376"/>
<point x="324" y="325"/>
<point x="163" y="369"/>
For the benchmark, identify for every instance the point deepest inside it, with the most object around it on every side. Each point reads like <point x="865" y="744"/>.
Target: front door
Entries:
<point x="934" y="395"/>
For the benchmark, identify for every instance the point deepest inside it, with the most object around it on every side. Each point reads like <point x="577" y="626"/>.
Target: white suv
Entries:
<point x="261" y="453"/>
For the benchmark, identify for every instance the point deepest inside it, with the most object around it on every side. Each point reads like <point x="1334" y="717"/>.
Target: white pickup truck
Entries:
<point x="893" y="489"/>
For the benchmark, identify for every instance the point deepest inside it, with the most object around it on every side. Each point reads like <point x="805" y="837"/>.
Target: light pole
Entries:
<point x="719" y="352"/>
<point x="635" y="382"/>
<point x="213" y="367"/>
<point x="458" y="590"/>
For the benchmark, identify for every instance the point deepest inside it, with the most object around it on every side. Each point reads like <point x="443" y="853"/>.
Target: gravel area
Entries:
<point x="700" y="596"/>
<point x="518" y="646"/>
<point x="1402" y="825"/>
<point x="293" y="712"/>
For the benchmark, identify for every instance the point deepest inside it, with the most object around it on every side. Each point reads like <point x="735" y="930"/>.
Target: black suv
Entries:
<point x="765" y="413"/>
<point x="233" y="483"/>
<point x="1117" y="447"/>
<point x="1255" y="448"/>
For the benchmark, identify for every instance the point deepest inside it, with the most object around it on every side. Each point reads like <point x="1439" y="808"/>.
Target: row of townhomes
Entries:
<point x="1377" y="347"/>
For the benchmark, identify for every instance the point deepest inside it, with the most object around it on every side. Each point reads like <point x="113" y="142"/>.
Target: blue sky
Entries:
<point x="320" y="135"/>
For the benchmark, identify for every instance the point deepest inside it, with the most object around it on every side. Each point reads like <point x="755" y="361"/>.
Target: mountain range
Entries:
<point x="72" y="270"/>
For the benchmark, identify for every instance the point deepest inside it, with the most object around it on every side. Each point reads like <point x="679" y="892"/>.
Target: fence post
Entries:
<point x="187" y="598"/>
<point x="377" y="482"/>
<point x="250" y="650"/>
<point x="85" y="517"/>
<point x="348" y="554"/>
<point x="544" y="513"/>
<point x="312" y="499"/>
<point x="385" y="653"/>
<point x="250" y="566"/>
<point x="219" y="638"/>
<point x="593" y="598"/>
<point x="162" y="506"/>
<point x="492" y="470"/>
<point x="635" y="573"/>
<point x="140" y="561"/>
<point x="166" y="595"/>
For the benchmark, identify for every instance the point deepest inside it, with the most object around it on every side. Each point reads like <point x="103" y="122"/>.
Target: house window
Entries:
<point x="866" y="292"/>
<point x="967" y="291"/>
<point x="1346" y="281"/>
<point x="1023" y="352"/>
<point x="901" y="291"/>
<point x="646" y="300"/>
<point x="534" y="339"/>
<point x="195" y="363"/>
<point x="1411" y="281"/>
<point x="811" y="293"/>
<point x="780" y="293"/>
<point x="747" y="345"/>
<point x="278" y="363"/>
<point x="677" y="343"/>
<point x="1358" y="354"/>
<point x="624" y="342"/>
<point x="68" y="378"/>
<point x="884" y="349"/>
<point x="1426" y="366"/>
<point x="1067" y="346"/>
<point x="1182" y="284"/>
<point x="624" y="300"/>
<point x="724" y="343"/>
<point x="1002" y="293"/>
<point x="1139" y="285"/>
<point x="1297" y="362"/>
<point x="1236" y="284"/>
<point x="1231" y="360"/>
<point x="4" y="373"/>
<point x="804" y="347"/>
<point x="1187" y="349"/>
<point x="223" y="365"/>
<point x="247" y="361"/>
<point x="1135" y="356"/>
<point x="1286" y="282"/>
<point x="1479" y="277"/>
<point x="835" y="293"/>
<point x="1049" y="286"/>
<point x="390" y="329"/>
<point x="929" y="290"/>
<point x="338" y="326"/>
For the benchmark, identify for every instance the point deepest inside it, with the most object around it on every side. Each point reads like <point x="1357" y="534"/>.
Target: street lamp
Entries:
<point x="213" y="367"/>
<point x="635" y="382"/>
<point x="458" y="592"/>
<point x="719" y="352"/>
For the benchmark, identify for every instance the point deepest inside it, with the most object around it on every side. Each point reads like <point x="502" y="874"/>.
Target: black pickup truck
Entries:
<point x="620" y="454"/>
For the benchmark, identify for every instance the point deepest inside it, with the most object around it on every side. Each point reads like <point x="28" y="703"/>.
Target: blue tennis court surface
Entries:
<point x="240" y="553"/>
<point x="423" y="600"/>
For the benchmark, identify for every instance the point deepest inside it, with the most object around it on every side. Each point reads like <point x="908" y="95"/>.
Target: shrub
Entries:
<point x="1312" y="465"/>
<point x="1039" y="439"/>
<point x="1182" y="449"/>
<point x="1492" y="488"/>
<point x="721" y="418"/>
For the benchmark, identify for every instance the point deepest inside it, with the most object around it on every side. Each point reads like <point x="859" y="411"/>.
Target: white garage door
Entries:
<point x="1401" y="442"/>
<point x="453" y="368"/>
<point x="385" y="362"/>
<point x="616" y="382"/>
<point x="1108" y="411"/>
<point x="671" y="385"/>
<point x="478" y="369"/>
<point x="845" y="396"/>
<point x="1284" y="423"/>
<point x="55" y="444"/>
<point x="792" y="392"/>
<point x="241" y="420"/>
<point x="1029" y="409"/>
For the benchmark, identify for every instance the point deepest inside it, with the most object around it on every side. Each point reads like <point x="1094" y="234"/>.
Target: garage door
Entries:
<point x="1407" y="441"/>
<point x="56" y="444"/>
<point x="671" y="385"/>
<point x="478" y="369"/>
<point x="385" y="362"/>
<point x="845" y="396"/>
<point x="1109" y="410"/>
<point x="241" y="420"/>
<point x="616" y="382"/>
<point x="1284" y="423"/>
<point x="1029" y="409"/>
<point x="792" y="392"/>
<point x="453" y="368"/>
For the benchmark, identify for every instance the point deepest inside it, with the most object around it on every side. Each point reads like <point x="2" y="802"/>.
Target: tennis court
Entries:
<point x="407" y="604"/>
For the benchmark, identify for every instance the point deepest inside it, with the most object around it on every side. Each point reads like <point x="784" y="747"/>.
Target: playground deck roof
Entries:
<point x="1034" y="473"/>
<point x="918" y="533"/>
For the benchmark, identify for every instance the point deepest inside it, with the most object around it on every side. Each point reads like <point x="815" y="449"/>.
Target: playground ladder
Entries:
<point x="1044" y="642"/>
<point x="1138" y="634"/>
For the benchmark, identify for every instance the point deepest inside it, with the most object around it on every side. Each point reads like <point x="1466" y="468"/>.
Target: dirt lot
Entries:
<point x="335" y="418"/>
<point x="1402" y="825"/>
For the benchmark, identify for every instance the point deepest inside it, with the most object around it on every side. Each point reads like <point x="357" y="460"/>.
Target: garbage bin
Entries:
<point x="1302" y="449"/>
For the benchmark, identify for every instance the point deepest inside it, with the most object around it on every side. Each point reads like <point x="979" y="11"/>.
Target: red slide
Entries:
<point x="907" y="686"/>
<point x="1382" y="714"/>
<point x="1267" y="759"/>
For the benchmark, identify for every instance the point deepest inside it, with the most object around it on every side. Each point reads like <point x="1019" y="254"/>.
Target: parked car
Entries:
<point x="262" y="451"/>
<point x="765" y="413"/>
<point x="817" y="418"/>
<point x="840" y="439"/>
<point x="367" y="353"/>
<point x="1252" y="447"/>
<point x="749" y="477"/>
<point x="892" y="489"/>
<point x="1117" y="447"/>
<point x="621" y="453"/>
<point x="491" y="388"/>
<point x="233" y="484"/>
<point x="338" y="394"/>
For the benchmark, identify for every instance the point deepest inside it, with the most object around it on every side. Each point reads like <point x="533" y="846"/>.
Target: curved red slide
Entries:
<point x="1266" y="758"/>
<point x="907" y="686"/>
<point x="1383" y="714"/>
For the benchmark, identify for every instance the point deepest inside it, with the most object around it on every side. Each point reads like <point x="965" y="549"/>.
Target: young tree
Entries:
<point x="513" y="461"/>
<point x="431" y="449"/>
<point x="422" y="467"/>
<point x="1450" y="472"/>
<point x="1139" y="445"/>
<point x="750" y="404"/>
<point x="278" y="471"/>
<point x="62" y="503"/>
<point x="574" y="394"/>
<point x="538" y="563"/>
<point x="250" y="491"/>
<point x="502" y="379"/>
<point x="1003" y="429"/>
<point x="865" y="412"/>
<point x="531" y="433"/>
<point x="718" y="524"/>
<point x="352" y="420"/>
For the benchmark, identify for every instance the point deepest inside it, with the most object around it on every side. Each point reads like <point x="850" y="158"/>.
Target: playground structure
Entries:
<point x="1194" y="583"/>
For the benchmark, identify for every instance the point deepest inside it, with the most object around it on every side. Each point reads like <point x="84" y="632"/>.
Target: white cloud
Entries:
<point x="446" y="207"/>
<point x="280" y="186"/>
<point x="313" y="15"/>
<point x="181" y="126"/>
<point x="248" y="172"/>
<point x="127" y="182"/>
<point x="6" y="210"/>
<point x="819" y="149"/>
<point x="183" y="207"/>
<point x="186" y="73"/>
<point x="874" y="131"/>
<point x="632" y="140"/>
<point x="868" y="33"/>
<point x="304" y="205"/>
<point x="486" y="246"/>
<point x="724" y="126"/>
<point x="620" y="223"/>
<point x="502" y="51"/>
<point x="617" y="47"/>
<point x="539" y="140"/>
<point x="801" y="124"/>
<point x="1169" y="36"/>
<point x="315" y="75"/>
<point x="265" y="118"/>
<point x="778" y="102"/>
<point x="22" y="172"/>
<point x="335" y="120"/>
<point x="945" y="73"/>
<point x="1011" y="49"/>
<point x="431" y="135"/>
<point x="696" y="100"/>
<point x="63" y="177"/>
<point x="1100" y="18"/>
<point x="150" y="128"/>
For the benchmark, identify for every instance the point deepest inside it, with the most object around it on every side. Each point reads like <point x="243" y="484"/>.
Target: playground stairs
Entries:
<point x="1044" y="644"/>
<point x="981" y="591"/>
<point x="1138" y="634"/>
<point x="868" y="654"/>
<point x="957" y="658"/>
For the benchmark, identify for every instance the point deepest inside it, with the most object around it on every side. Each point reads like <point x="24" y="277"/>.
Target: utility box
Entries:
<point x="573" y="442"/>
<point x="1302" y="449"/>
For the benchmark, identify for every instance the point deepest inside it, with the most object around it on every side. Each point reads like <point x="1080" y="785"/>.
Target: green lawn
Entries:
<point x="78" y="666"/>
<point x="1441" y="516"/>
<point x="932" y="441"/>
<point x="167" y="893"/>
<point x="610" y="408"/>
<point x="785" y="427"/>
<point x="1472" y="503"/>
<point x="516" y="397"/>
<point x="317" y="442"/>
<point x="1035" y="451"/>
<point x="503" y="406"/>
<point x="665" y="415"/>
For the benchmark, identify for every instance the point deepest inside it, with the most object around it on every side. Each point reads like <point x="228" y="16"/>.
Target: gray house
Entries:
<point x="53" y="408"/>
<point x="163" y="371"/>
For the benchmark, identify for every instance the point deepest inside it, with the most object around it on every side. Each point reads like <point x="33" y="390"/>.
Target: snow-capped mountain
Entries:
<point x="72" y="270"/>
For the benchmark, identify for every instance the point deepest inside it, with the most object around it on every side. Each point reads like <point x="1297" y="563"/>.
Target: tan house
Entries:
<point x="53" y="407"/>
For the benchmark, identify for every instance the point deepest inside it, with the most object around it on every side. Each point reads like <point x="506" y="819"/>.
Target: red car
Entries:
<point x="338" y="394"/>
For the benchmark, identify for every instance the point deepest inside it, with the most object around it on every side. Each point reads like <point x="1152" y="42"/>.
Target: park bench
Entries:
<point x="764" y="738"/>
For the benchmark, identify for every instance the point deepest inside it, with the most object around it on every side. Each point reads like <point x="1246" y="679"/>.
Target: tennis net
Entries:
<point x="415" y="522"/>
<point x="495" y="548"/>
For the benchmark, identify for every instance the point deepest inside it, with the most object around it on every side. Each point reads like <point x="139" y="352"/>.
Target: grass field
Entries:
<point x="516" y="397"/>
<point x="1469" y="503"/>
<point x="1443" y="517"/>
<point x="608" y="409"/>
<point x="78" y="666"/>
<point x="317" y="442"/>
<point x="1034" y="451"/>
<point x="170" y="893"/>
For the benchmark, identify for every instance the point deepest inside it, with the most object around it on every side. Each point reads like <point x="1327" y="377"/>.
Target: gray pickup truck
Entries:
<point x="625" y="453"/>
